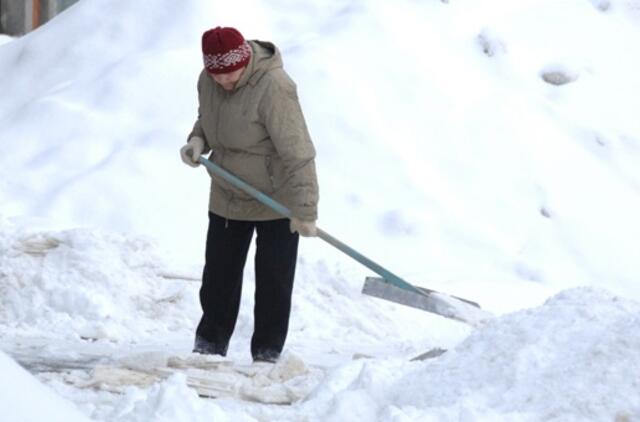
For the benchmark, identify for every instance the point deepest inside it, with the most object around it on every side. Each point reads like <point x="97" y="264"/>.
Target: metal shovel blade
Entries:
<point x="428" y="300"/>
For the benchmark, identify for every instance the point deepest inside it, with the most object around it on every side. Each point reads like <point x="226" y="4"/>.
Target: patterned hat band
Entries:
<point x="228" y="61"/>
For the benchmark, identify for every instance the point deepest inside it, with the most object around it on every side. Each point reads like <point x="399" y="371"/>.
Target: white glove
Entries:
<point x="192" y="151"/>
<point x="305" y="228"/>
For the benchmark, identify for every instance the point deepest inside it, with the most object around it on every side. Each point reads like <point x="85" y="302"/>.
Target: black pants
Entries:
<point x="275" y="263"/>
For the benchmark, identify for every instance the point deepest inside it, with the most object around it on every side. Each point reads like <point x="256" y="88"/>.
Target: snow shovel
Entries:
<point x="389" y="286"/>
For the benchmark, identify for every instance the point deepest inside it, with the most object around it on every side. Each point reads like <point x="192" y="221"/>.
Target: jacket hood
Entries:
<point x="265" y="56"/>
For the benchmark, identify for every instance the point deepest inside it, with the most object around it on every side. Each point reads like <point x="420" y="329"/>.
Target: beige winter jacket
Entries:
<point x="258" y="132"/>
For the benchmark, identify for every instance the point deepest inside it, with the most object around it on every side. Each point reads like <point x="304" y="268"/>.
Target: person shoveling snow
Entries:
<point x="250" y="121"/>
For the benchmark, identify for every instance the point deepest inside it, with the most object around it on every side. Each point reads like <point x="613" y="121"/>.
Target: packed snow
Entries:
<point x="489" y="150"/>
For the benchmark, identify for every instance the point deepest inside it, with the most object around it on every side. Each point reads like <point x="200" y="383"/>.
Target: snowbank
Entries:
<point x="24" y="399"/>
<point x="88" y="284"/>
<point x="97" y="285"/>
<point x="575" y="358"/>
<point x="456" y="158"/>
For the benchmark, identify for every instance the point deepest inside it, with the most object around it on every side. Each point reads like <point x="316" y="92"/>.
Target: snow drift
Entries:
<point x="94" y="285"/>
<point x="461" y="156"/>
<point x="575" y="358"/>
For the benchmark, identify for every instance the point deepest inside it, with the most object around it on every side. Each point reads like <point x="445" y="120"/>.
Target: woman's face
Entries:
<point x="228" y="80"/>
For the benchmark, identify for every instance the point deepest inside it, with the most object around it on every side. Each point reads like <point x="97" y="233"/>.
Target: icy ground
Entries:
<point x="486" y="149"/>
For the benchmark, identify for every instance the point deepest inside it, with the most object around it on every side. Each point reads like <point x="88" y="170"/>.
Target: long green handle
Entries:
<point x="285" y="212"/>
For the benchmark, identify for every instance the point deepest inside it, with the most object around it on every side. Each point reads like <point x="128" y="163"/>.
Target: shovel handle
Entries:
<point x="285" y="212"/>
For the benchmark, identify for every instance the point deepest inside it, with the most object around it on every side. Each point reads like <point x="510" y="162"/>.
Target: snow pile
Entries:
<point x="88" y="284"/>
<point x="466" y="141"/>
<point x="25" y="399"/>
<point x="116" y="102"/>
<point x="98" y="285"/>
<point x="573" y="359"/>
<point x="170" y="401"/>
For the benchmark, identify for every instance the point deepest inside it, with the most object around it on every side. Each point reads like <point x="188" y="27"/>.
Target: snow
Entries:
<point x="86" y="284"/>
<point x="114" y="288"/>
<point x="581" y="343"/>
<point x="4" y="39"/>
<point x="26" y="399"/>
<point x="572" y="359"/>
<point x="485" y="149"/>
<point x="159" y="404"/>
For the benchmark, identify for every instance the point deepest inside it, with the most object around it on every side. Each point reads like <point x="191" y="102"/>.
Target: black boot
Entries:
<point x="270" y="356"/>
<point x="206" y="347"/>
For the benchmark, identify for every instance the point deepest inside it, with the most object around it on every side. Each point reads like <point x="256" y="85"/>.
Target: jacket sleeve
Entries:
<point x="197" y="127"/>
<point x="286" y="126"/>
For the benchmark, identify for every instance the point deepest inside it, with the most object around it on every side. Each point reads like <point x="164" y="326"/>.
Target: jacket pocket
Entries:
<point x="250" y="168"/>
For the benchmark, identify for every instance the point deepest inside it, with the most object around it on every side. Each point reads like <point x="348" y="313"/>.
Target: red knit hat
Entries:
<point x="224" y="50"/>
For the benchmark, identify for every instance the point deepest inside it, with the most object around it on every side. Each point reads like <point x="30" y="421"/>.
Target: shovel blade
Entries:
<point x="428" y="300"/>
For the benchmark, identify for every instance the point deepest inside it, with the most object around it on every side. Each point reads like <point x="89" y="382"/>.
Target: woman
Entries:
<point x="250" y="121"/>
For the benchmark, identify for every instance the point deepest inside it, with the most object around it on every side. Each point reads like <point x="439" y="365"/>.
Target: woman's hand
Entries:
<point x="192" y="151"/>
<point x="305" y="228"/>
